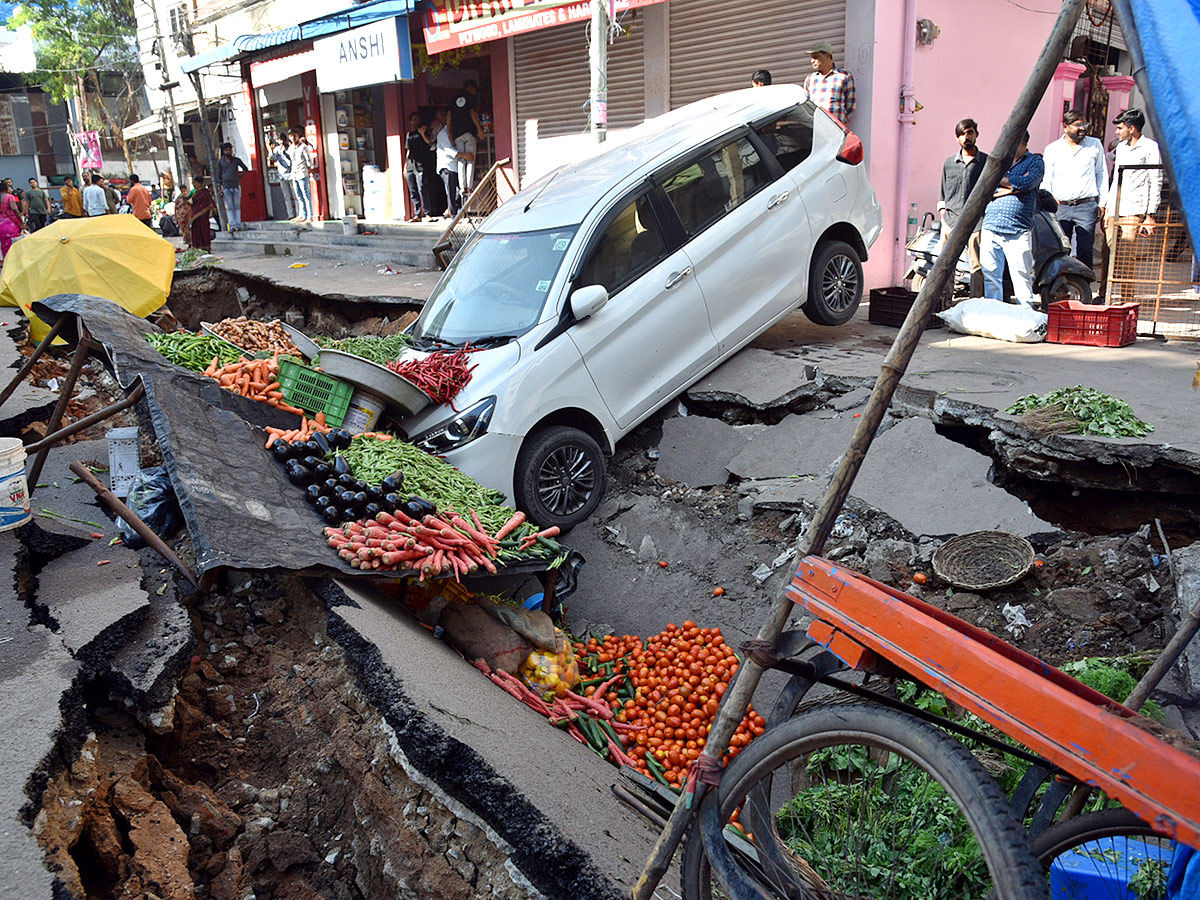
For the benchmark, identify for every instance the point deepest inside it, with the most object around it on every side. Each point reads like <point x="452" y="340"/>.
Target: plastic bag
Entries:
<point x="552" y="673"/>
<point x="152" y="498"/>
<point x="993" y="319"/>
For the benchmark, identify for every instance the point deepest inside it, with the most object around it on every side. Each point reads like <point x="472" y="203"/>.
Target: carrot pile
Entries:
<point x="256" y="379"/>
<point x="308" y="427"/>
<point x="430" y="545"/>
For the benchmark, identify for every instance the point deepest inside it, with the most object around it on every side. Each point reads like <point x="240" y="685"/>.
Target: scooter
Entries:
<point x="1057" y="275"/>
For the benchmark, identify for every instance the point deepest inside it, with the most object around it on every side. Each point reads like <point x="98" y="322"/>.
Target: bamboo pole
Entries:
<point x="737" y="698"/>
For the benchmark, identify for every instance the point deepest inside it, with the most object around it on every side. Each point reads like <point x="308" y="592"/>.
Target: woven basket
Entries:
<point x="983" y="560"/>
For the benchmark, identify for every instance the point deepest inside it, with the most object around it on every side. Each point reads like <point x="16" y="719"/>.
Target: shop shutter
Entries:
<point x="715" y="46"/>
<point x="553" y="82"/>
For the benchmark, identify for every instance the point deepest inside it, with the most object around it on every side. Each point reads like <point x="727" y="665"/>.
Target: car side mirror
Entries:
<point x="587" y="301"/>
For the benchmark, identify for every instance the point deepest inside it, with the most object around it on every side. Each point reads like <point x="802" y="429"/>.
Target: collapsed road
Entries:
<point x="293" y="738"/>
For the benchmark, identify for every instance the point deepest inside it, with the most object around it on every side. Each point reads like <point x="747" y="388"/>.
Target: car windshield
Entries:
<point x="494" y="289"/>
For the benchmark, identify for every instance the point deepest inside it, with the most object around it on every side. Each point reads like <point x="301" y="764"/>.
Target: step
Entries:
<point x="412" y="242"/>
<point x="383" y="252"/>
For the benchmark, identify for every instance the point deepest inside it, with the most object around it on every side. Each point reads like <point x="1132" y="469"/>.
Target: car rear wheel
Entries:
<point x="560" y="476"/>
<point x="835" y="284"/>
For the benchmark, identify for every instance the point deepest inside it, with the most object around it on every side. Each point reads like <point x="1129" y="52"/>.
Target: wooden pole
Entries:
<point x="737" y="698"/>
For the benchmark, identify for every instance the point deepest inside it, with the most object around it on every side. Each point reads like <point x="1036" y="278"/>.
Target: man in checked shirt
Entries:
<point x="828" y="86"/>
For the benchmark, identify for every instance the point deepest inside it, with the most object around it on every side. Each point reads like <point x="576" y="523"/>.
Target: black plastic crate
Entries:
<point x="889" y="306"/>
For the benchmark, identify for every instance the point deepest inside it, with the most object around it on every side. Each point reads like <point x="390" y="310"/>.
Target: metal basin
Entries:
<point x="395" y="390"/>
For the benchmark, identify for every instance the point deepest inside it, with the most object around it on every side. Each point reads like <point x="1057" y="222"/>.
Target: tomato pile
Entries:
<point x="675" y="681"/>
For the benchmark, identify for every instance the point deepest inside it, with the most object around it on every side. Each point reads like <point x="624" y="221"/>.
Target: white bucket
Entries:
<point x="14" y="490"/>
<point x="350" y="224"/>
<point x="363" y="413"/>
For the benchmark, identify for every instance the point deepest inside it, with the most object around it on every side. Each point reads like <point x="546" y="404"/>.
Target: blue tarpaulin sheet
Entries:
<point x="1168" y="32"/>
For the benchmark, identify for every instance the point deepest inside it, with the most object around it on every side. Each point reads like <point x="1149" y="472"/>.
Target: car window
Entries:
<point x="630" y="245"/>
<point x="719" y="181"/>
<point x="789" y="138"/>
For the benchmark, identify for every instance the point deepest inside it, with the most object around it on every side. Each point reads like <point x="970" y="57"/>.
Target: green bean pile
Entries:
<point x="193" y="351"/>
<point x="379" y="350"/>
<point x="426" y="476"/>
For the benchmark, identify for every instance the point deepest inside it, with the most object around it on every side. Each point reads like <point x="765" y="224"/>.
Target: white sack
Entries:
<point x="993" y="319"/>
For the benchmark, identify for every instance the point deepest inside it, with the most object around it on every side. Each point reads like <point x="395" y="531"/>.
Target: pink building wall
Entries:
<point x="976" y="67"/>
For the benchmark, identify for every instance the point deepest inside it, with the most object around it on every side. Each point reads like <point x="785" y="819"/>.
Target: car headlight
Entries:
<point x="459" y="431"/>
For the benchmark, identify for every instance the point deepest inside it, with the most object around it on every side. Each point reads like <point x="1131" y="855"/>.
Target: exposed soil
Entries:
<point x="271" y="776"/>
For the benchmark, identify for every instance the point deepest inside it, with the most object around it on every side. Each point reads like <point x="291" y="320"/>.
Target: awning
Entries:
<point x="219" y="53"/>
<point x="248" y="43"/>
<point x="155" y="122"/>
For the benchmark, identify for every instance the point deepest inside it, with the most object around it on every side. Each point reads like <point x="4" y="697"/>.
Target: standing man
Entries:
<point x="138" y="199"/>
<point x="418" y="159"/>
<point x="760" y="78"/>
<point x="828" y="86"/>
<point x="95" y="197"/>
<point x="1007" y="226"/>
<point x="447" y="164"/>
<point x="464" y="130"/>
<point x="229" y="169"/>
<point x="1133" y="197"/>
<point x="39" y="206"/>
<point x="283" y="168"/>
<point x="1077" y="176"/>
<point x="72" y="200"/>
<point x="959" y="174"/>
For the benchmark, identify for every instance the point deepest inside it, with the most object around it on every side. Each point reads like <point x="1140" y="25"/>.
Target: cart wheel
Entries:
<point x="1112" y="851"/>
<point x="870" y="802"/>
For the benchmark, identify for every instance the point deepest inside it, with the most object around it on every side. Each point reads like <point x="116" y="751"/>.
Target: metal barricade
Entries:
<point x="478" y="206"/>
<point x="1149" y="258"/>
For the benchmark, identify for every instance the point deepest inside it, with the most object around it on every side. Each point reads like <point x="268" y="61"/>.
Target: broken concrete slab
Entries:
<point x="86" y="598"/>
<point x="28" y="402"/>
<point x="73" y="506"/>
<point x="758" y="379"/>
<point x="783" y="493"/>
<point x="851" y="400"/>
<point x="933" y="486"/>
<point x="799" y="445"/>
<point x="695" y="450"/>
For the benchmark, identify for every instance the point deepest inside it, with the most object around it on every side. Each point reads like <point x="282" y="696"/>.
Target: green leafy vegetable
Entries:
<point x="1080" y="410"/>
<point x="379" y="350"/>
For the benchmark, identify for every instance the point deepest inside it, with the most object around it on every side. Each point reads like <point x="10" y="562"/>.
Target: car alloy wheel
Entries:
<point x="560" y="476"/>
<point x="835" y="284"/>
<point x="839" y="284"/>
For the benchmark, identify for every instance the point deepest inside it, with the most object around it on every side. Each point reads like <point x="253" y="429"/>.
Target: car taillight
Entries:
<point x="852" y="149"/>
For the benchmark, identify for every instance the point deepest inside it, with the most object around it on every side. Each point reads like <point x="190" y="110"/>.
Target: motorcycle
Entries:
<point x="1057" y="275"/>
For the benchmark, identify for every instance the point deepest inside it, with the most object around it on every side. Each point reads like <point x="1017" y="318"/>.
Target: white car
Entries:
<point x="611" y="285"/>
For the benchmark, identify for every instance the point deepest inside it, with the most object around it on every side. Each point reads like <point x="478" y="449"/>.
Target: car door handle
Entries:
<point x="777" y="199"/>
<point x="677" y="277"/>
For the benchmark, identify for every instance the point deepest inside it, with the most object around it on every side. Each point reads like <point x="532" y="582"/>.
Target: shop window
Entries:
<point x="719" y="181"/>
<point x="631" y="245"/>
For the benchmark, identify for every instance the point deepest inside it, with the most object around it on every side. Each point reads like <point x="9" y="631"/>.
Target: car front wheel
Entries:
<point x="560" y="476"/>
<point x="835" y="284"/>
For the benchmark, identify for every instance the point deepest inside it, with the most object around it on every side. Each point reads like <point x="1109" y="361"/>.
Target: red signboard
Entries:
<point x="450" y="24"/>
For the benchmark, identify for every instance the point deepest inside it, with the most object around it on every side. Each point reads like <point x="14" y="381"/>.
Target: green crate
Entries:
<point x="315" y="392"/>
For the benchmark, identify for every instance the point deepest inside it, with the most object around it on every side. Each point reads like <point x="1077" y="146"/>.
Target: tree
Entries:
<point x="87" y="50"/>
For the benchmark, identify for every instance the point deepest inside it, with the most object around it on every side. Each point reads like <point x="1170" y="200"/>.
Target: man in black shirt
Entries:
<point x="418" y="159"/>
<point x="465" y="129"/>
<point x="959" y="175"/>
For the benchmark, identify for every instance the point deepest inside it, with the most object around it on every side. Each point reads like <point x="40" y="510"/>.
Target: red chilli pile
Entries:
<point x="668" y="699"/>
<point x="441" y="374"/>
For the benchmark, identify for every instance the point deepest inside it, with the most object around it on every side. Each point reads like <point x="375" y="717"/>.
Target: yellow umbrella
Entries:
<point x="116" y="257"/>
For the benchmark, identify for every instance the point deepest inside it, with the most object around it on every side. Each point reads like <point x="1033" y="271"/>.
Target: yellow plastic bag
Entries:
<point x="552" y="673"/>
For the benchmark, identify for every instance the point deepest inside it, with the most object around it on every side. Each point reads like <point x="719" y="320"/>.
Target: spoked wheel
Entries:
<point x="1109" y="855"/>
<point x="859" y="801"/>
<point x="560" y="476"/>
<point x="835" y="286"/>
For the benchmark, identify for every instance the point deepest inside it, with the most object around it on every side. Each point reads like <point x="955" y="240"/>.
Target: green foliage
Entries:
<point x="1111" y="677"/>
<point x="881" y="826"/>
<point x="1093" y="412"/>
<point x="77" y="39"/>
<point x="1149" y="882"/>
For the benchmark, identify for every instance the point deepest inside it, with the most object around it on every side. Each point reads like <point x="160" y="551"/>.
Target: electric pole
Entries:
<point x="598" y="57"/>
<point x="168" y="87"/>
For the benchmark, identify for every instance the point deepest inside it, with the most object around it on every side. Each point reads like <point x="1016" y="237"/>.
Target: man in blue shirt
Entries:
<point x="1008" y="225"/>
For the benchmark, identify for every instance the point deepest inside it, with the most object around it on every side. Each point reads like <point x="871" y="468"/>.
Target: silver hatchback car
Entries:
<point x="610" y="285"/>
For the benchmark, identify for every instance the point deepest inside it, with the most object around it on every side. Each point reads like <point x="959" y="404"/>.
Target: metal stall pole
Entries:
<point x="87" y="421"/>
<point x="737" y="698"/>
<point x="82" y="349"/>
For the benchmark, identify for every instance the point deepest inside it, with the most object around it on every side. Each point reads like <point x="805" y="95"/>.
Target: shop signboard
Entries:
<point x="372" y="54"/>
<point x="451" y="24"/>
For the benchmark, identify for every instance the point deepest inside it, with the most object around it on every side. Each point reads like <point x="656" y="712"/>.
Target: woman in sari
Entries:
<point x="183" y="217"/>
<point x="11" y="223"/>
<point x="203" y="206"/>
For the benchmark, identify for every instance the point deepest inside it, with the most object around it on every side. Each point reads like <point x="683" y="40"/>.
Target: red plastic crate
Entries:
<point x="1072" y="322"/>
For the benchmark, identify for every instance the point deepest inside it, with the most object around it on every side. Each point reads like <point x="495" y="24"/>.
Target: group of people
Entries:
<point x="295" y="162"/>
<point x="1074" y="170"/>
<point x="828" y="85"/>
<point x="440" y="155"/>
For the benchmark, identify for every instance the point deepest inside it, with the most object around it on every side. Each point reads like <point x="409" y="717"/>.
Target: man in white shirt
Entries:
<point x="95" y="198"/>
<point x="448" y="156"/>
<point x="1133" y="198"/>
<point x="1077" y="176"/>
